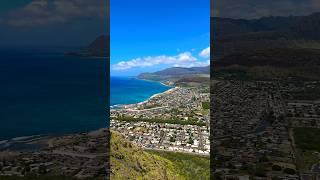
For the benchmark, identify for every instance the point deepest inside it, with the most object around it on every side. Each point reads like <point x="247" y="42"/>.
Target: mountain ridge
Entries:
<point x="238" y="35"/>
<point x="98" y="48"/>
<point x="180" y="76"/>
<point x="177" y="71"/>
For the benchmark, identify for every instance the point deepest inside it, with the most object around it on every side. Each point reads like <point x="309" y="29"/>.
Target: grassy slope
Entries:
<point x="307" y="141"/>
<point x="191" y="166"/>
<point x="130" y="162"/>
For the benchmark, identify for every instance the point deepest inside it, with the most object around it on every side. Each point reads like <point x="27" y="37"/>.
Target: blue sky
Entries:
<point x="149" y="35"/>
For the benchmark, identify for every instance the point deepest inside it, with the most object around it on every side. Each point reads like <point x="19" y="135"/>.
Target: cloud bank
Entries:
<point x="185" y="59"/>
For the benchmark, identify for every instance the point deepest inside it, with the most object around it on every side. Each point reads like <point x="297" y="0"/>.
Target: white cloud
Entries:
<point x="43" y="12"/>
<point x="205" y="53"/>
<point x="185" y="59"/>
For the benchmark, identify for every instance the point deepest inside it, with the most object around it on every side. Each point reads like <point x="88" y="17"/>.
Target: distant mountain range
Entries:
<point x="177" y="71"/>
<point x="237" y="35"/>
<point x="305" y="27"/>
<point x="98" y="48"/>
<point x="179" y="75"/>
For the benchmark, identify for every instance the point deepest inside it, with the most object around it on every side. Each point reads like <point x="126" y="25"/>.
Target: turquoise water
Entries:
<point x="129" y="90"/>
<point x="49" y="93"/>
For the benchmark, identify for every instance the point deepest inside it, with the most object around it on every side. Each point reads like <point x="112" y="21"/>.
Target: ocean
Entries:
<point x="130" y="90"/>
<point x="47" y="93"/>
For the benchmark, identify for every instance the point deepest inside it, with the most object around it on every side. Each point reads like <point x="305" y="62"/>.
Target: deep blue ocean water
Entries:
<point x="44" y="92"/>
<point x="129" y="90"/>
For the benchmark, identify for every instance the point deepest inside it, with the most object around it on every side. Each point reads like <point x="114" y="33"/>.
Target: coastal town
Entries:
<point x="256" y="125"/>
<point x="164" y="136"/>
<point x="78" y="156"/>
<point x="176" y="120"/>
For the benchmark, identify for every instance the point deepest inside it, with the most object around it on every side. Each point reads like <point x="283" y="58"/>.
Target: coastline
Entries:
<point x="154" y="81"/>
<point x="123" y="106"/>
<point x="25" y="143"/>
<point x="153" y="96"/>
<point x="37" y="142"/>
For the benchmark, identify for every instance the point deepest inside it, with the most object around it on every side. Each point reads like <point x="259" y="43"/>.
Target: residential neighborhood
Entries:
<point x="255" y="128"/>
<point x="176" y="120"/>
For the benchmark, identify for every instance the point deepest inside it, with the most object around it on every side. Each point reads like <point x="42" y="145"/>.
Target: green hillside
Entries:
<point x="131" y="162"/>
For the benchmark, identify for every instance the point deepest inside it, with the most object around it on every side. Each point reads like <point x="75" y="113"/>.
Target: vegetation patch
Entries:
<point x="154" y="120"/>
<point x="206" y="105"/>
<point x="307" y="138"/>
<point x="191" y="166"/>
<point x="43" y="177"/>
<point x="128" y="161"/>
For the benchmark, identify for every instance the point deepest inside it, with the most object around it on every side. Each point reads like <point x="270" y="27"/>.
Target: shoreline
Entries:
<point x="25" y="143"/>
<point x="148" y="80"/>
<point x="123" y="106"/>
<point x="36" y="142"/>
<point x="155" y="95"/>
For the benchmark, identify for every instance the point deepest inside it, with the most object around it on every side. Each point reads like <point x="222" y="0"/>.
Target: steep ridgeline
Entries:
<point x="179" y="75"/>
<point x="98" y="48"/>
<point x="237" y="35"/>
